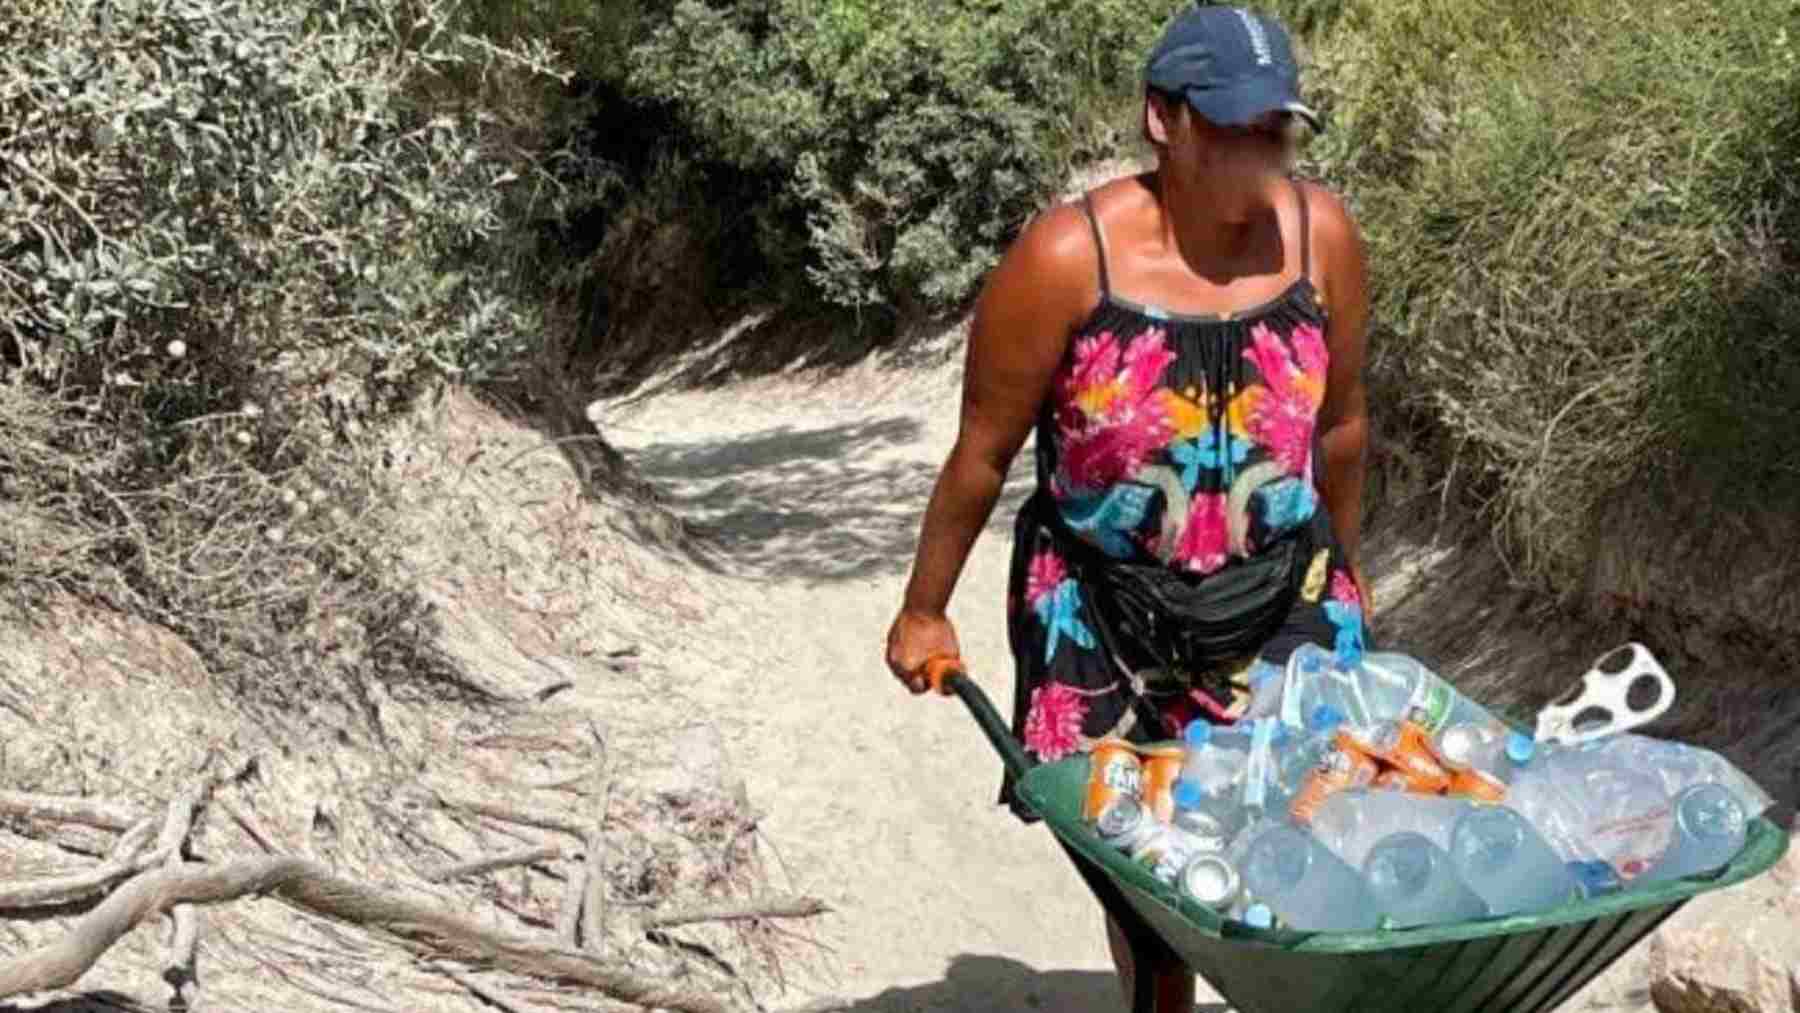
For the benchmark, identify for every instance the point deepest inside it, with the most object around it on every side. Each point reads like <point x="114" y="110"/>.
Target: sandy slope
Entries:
<point x="879" y="801"/>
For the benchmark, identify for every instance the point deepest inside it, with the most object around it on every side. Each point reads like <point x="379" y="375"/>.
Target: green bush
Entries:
<point x="232" y="235"/>
<point x="1583" y="223"/>
<point x="910" y="141"/>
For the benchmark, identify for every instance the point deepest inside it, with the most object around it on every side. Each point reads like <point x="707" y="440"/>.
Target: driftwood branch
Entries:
<point x="184" y="932"/>
<point x="420" y="926"/>
<point x="568" y="912"/>
<point x="767" y="907"/>
<point x="68" y="809"/>
<point x="520" y="815"/>
<point x="122" y="863"/>
<point x="593" y="901"/>
<point x="491" y="863"/>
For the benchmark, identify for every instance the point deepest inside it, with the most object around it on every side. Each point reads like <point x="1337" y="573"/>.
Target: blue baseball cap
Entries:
<point x="1232" y="65"/>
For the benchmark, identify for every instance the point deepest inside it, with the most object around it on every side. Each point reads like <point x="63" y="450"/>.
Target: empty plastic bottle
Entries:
<point x="1351" y="822"/>
<point x="1214" y="757"/>
<point x="1314" y="678"/>
<point x="1204" y="814"/>
<point x="1508" y="863"/>
<point x="1267" y="685"/>
<point x="1591" y="803"/>
<point x="1493" y="749"/>
<point x="1681" y="766"/>
<point x="1709" y="832"/>
<point x="1304" y="752"/>
<point x="1398" y="685"/>
<point x="1302" y="882"/>
<point x="1414" y="882"/>
<point x="1258" y="792"/>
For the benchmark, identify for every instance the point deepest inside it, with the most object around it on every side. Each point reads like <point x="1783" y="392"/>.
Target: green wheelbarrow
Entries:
<point x="1516" y="964"/>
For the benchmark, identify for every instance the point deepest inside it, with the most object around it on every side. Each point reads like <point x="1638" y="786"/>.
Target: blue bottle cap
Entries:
<point x="1197" y="733"/>
<point x="1595" y="878"/>
<point x="1186" y="793"/>
<point x="1258" y="916"/>
<point x="1324" y="718"/>
<point x="1520" y="747"/>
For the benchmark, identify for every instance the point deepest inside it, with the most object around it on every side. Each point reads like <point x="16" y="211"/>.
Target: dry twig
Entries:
<point x="420" y="926"/>
<point x="491" y="863"/>
<point x="766" y="907"/>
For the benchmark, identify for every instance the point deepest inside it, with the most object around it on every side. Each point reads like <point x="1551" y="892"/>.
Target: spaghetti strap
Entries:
<point x="1305" y="232"/>
<point x="1087" y="208"/>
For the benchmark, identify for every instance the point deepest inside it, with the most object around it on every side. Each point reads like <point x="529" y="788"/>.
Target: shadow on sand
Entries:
<point x="977" y="983"/>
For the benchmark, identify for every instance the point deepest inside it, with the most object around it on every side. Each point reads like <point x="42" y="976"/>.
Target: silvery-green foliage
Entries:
<point x="261" y="182"/>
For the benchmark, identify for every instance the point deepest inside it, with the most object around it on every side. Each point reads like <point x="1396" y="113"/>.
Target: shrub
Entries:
<point x="910" y="141"/>
<point x="1582" y="222"/>
<point x="232" y="235"/>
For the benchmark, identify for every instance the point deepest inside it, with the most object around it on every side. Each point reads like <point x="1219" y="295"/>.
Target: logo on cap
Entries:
<point x="1259" y="39"/>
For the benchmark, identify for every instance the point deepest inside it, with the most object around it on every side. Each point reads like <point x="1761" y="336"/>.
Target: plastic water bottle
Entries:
<point x="1593" y="804"/>
<point x="1709" y="832"/>
<point x="1508" y="863"/>
<point x="1306" y="751"/>
<point x="1680" y="766"/>
<point x="1256" y="783"/>
<point x="1351" y="822"/>
<point x="1414" y="882"/>
<point x="1213" y="759"/>
<point x="1398" y="685"/>
<point x="1204" y="814"/>
<point x="1493" y="749"/>
<point x="1267" y="684"/>
<point x="1315" y="679"/>
<point x="1302" y="882"/>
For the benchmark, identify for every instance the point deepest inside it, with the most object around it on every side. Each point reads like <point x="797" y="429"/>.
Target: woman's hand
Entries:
<point x="913" y="639"/>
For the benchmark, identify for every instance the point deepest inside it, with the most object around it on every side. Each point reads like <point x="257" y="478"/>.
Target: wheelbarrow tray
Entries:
<point x="1495" y="965"/>
<point x="1515" y="964"/>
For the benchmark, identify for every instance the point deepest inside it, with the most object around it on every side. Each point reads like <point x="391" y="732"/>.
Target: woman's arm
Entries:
<point x="1344" y="417"/>
<point x="1029" y="305"/>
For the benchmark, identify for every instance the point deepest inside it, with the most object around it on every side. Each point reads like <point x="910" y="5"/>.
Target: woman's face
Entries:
<point x="1238" y="166"/>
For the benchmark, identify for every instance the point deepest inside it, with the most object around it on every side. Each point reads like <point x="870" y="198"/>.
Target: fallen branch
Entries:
<point x="515" y="814"/>
<point x="491" y="863"/>
<point x="593" y="903"/>
<point x="123" y="863"/>
<point x="68" y="809"/>
<point x="184" y="935"/>
<point x="568" y="913"/>
<point x="768" y="907"/>
<point x="420" y="926"/>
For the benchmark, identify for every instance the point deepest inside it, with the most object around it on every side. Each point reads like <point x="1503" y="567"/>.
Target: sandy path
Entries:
<point x="880" y="802"/>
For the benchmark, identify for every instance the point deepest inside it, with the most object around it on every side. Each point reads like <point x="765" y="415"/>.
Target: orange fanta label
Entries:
<point x="1162" y="766"/>
<point x="1114" y="769"/>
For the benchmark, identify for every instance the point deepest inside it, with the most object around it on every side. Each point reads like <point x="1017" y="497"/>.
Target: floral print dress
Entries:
<point x="1185" y="440"/>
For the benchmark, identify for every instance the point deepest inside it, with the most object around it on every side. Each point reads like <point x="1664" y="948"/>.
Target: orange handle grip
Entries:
<point x="939" y="668"/>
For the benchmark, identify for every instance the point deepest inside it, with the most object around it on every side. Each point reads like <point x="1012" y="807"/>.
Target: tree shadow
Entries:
<point x="981" y="983"/>
<point x="840" y="502"/>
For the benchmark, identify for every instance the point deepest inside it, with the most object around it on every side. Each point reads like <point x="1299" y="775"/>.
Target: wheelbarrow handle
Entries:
<point x="947" y="675"/>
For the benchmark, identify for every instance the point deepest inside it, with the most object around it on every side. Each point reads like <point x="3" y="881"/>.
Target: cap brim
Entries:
<point x="1249" y="101"/>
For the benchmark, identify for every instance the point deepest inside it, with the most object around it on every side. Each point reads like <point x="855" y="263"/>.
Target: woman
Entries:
<point x="1189" y="345"/>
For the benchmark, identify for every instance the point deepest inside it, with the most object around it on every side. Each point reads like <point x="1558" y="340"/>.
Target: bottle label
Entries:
<point x="1431" y="705"/>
